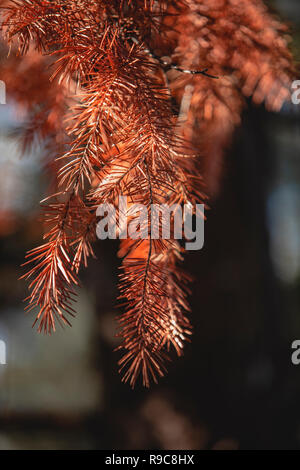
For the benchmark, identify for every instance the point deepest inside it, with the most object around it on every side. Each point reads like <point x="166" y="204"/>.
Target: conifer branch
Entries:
<point x="140" y="75"/>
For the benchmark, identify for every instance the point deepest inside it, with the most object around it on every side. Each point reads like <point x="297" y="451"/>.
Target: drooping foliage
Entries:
<point x="107" y="86"/>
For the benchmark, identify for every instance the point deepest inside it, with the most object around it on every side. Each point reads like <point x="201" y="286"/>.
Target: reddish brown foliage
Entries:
<point x="125" y="138"/>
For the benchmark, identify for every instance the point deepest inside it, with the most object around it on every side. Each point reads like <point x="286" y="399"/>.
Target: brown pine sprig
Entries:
<point x="248" y="47"/>
<point x="154" y="318"/>
<point x="51" y="287"/>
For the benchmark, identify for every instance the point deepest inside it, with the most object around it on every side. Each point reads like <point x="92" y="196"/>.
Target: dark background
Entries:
<point x="235" y="387"/>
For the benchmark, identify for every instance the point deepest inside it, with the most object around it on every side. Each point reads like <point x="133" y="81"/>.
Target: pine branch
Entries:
<point x="248" y="48"/>
<point x="124" y="65"/>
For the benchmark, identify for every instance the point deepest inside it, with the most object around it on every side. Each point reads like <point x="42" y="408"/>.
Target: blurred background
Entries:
<point x="235" y="387"/>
